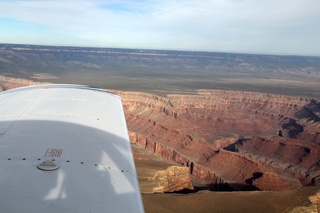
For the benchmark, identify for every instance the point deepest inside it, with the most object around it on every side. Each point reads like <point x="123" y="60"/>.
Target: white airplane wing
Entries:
<point x="65" y="148"/>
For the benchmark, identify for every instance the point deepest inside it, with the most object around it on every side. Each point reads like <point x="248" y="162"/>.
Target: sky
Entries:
<point x="281" y="27"/>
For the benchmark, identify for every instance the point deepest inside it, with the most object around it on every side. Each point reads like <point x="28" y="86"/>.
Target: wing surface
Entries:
<point x="65" y="148"/>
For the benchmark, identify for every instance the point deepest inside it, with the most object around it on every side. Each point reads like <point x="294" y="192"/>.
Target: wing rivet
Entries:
<point x="47" y="165"/>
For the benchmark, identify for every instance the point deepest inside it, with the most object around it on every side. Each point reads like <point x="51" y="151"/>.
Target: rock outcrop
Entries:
<point x="313" y="208"/>
<point x="174" y="179"/>
<point x="315" y="200"/>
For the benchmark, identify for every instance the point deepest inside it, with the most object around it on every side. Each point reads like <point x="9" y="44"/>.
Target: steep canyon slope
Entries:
<point x="231" y="139"/>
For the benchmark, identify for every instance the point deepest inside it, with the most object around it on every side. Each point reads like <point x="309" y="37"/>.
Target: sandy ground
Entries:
<point x="208" y="201"/>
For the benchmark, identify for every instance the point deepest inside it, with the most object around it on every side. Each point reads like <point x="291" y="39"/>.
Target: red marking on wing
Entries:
<point x="53" y="153"/>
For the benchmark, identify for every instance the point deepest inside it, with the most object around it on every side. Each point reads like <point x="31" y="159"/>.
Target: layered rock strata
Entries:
<point x="212" y="133"/>
<point x="173" y="179"/>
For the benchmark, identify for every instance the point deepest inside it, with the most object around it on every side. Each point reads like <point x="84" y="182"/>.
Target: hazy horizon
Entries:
<point x="163" y="71"/>
<point x="154" y="49"/>
<point x="271" y="27"/>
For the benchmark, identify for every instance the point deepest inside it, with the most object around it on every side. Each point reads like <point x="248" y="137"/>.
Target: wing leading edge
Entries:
<point x="65" y="148"/>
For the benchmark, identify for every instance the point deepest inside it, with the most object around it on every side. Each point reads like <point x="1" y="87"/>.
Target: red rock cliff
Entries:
<point x="195" y="130"/>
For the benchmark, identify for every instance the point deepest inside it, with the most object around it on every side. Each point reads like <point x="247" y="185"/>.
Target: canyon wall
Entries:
<point x="231" y="139"/>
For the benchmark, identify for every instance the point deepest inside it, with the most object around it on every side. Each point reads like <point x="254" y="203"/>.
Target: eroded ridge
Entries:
<point x="231" y="139"/>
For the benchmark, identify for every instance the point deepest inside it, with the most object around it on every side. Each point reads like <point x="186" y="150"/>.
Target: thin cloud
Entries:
<point x="221" y="25"/>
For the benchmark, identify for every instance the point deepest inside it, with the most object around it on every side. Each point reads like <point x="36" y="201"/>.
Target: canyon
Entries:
<point x="231" y="140"/>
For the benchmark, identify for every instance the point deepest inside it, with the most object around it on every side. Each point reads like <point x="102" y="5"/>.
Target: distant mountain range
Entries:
<point x="187" y="69"/>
